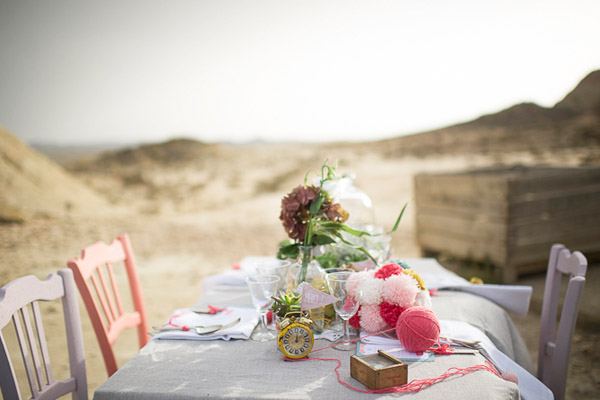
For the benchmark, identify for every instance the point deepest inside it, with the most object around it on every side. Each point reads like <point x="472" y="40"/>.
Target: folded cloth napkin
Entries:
<point x="237" y="277"/>
<point x="241" y="330"/>
<point x="513" y="298"/>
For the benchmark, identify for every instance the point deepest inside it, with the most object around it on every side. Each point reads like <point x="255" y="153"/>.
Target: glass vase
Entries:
<point x="307" y="269"/>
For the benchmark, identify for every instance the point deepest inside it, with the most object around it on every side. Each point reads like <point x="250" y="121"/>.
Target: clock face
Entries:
<point x="296" y="341"/>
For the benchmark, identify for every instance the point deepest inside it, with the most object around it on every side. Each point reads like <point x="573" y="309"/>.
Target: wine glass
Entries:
<point x="345" y="305"/>
<point x="262" y="288"/>
<point x="280" y="268"/>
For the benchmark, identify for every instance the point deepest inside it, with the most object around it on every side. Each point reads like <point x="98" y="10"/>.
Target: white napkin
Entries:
<point x="529" y="386"/>
<point x="230" y="278"/>
<point x="241" y="330"/>
<point x="514" y="298"/>
<point x="237" y="278"/>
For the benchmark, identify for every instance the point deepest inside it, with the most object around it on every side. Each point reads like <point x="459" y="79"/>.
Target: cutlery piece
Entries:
<point x="211" y="329"/>
<point x="198" y="329"/>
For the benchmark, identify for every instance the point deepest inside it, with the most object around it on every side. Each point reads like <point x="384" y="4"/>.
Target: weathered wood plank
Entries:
<point x="510" y="217"/>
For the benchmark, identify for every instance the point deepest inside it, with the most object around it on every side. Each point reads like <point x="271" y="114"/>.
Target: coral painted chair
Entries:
<point x="94" y="276"/>
<point x="19" y="301"/>
<point x="555" y="342"/>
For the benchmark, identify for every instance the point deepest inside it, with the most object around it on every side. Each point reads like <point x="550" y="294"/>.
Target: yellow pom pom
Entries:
<point x="416" y="277"/>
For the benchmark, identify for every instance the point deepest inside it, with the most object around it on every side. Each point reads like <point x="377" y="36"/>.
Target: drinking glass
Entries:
<point x="345" y="305"/>
<point x="262" y="288"/>
<point x="280" y="269"/>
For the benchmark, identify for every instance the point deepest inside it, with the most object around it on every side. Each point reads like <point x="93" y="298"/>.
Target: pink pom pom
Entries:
<point x="355" y="320"/>
<point x="418" y="329"/>
<point x="370" y="319"/>
<point x="390" y="313"/>
<point x="400" y="290"/>
<point x="354" y="281"/>
<point x="388" y="270"/>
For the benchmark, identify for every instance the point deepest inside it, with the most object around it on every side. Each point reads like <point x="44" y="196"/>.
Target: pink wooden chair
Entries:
<point x="555" y="342"/>
<point x="94" y="275"/>
<point x="17" y="299"/>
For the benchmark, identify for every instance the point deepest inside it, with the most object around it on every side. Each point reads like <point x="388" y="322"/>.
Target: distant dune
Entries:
<point x="32" y="185"/>
<point x="572" y="123"/>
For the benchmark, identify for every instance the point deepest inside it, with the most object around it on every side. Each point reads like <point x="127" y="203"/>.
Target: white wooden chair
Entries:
<point x="555" y="341"/>
<point x="19" y="303"/>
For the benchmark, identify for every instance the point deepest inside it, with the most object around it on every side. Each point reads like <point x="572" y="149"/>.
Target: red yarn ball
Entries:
<point x="388" y="270"/>
<point x="418" y="329"/>
<point x="390" y="313"/>
<point x="355" y="320"/>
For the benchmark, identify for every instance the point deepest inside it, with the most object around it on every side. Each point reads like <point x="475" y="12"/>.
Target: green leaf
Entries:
<point x="359" y="248"/>
<point x="332" y="226"/>
<point x="397" y="223"/>
<point x="328" y="260"/>
<point x="287" y="250"/>
<point x="315" y="205"/>
<point x="322" y="239"/>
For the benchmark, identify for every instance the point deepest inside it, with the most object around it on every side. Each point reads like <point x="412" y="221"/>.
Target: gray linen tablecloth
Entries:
<point x="168" y="369"/>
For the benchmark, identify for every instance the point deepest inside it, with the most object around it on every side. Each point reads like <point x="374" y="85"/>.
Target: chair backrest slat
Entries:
<point x="42" y="343"/>
<point x="108" y="294"/>
<point x="15" y="298"/>
<point x="115" y="289"/>
<point x="555" y="342"/>
<point x="22" y="339"/>
<point x="89" y="267"/>
<point x="32" y="341"/>
<point x="101" y="298"/>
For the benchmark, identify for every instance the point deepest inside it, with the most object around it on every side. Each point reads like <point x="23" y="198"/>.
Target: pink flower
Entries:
<point x="400" y="290"/>
<point x="370" y="319"/>
<point x="354" y="281"/>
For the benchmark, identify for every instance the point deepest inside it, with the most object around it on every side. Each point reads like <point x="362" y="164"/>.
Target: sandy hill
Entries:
<point x="572" y="123"/>
<point x="32" y="185"/>
<point x="172" y="153"/>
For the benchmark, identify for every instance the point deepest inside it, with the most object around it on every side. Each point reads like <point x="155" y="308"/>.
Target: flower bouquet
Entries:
<point x="311" y="218"/>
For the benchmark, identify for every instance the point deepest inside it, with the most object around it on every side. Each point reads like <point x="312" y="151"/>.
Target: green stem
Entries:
<point x="305" y="250"/>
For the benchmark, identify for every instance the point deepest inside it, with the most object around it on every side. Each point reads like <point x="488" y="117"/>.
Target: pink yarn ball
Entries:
<point x="418" y="329"/>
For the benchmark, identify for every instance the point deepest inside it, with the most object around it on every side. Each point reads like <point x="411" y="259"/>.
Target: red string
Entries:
<point x="413" y="386"/>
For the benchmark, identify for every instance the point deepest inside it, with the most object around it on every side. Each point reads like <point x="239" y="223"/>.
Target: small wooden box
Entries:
<point x="378" y="371"/>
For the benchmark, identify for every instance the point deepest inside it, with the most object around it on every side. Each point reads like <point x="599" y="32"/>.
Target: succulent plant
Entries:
<point x="286" y="303"/>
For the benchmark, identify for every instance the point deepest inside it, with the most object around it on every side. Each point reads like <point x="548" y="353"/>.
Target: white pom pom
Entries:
<point x="400" y="290"/>
<point x="369" y="290"/>
<point x="423" y="299"/>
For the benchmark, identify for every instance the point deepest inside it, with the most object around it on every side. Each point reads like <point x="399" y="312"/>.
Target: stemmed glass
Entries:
<point x="262" y="288"/>
<point x="345" y="305"/>
<point x="281" y="269"/>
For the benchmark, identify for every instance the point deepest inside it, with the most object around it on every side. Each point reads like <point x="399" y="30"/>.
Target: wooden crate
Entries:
<point x="509" y="217"/>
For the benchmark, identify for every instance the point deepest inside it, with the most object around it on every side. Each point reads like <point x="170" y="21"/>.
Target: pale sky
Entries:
<point x="77" y="72"/>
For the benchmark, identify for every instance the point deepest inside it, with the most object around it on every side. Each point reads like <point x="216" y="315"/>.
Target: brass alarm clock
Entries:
<point x="296" y="338"/>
